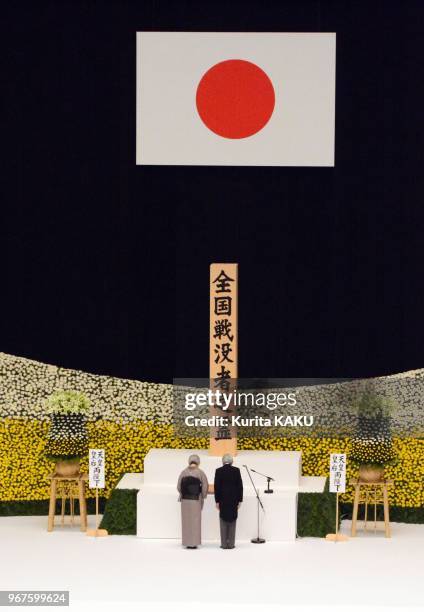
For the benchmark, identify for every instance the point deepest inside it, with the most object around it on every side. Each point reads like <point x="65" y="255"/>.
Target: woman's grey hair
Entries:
<point x="194" y="459"/>
<point x="227" y="459"/>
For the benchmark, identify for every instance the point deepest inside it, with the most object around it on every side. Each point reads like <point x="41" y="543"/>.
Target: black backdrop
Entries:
<point x="105" y="264"/>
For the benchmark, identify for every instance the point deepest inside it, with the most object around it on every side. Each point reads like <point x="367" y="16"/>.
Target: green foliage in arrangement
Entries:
<point x="67" y="439"/>
<point x="372" y="443"/>
<point x="67" y="402"/>
<point x="371" y="405"/>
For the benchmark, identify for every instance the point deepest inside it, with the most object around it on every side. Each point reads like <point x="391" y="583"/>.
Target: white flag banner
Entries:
<point x="236" y="99"/>
<point x="96" y="468"/>
<point x="337" y="473"/>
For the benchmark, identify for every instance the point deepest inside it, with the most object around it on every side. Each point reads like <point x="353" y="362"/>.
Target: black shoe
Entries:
<point x="191" y="547"/>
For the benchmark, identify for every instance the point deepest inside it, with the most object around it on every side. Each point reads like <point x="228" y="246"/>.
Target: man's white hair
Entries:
<point x="227" y="459"/>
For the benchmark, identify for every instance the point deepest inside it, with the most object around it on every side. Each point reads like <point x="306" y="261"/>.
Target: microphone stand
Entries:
<point x="257" y="540"/>
<point x="268" y="478"/>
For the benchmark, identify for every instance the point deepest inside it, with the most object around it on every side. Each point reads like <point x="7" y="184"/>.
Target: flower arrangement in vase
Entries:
<point x="67" y="440"/>
<point x="371" y="445"/>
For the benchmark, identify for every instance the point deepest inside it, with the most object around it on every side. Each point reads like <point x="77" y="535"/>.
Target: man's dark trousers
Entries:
<point x="228" y="533"/>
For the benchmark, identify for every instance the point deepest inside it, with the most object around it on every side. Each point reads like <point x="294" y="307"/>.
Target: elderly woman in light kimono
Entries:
<point x="193" y="488"/>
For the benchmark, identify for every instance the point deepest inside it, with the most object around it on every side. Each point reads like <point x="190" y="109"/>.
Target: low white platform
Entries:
<point x="158" y="509"/>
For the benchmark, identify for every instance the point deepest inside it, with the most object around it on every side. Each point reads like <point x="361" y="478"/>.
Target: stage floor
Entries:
<point x="307" y="574"/>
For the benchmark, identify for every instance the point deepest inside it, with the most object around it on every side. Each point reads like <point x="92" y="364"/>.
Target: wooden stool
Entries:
<point x="374" y="493"/>
<point x="71" y="487"/>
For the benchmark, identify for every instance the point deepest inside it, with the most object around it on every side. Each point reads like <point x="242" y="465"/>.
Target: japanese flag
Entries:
<point x="242" y="99"/>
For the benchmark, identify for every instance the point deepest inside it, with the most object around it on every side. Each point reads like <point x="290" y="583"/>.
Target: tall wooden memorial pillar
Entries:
<point x="223" y="350"/>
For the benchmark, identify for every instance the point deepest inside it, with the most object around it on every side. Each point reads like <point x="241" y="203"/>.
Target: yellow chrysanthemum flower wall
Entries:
<point x="128" y="418"/>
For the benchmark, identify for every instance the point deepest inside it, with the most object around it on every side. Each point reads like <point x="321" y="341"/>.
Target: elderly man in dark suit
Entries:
<point x="228" y="489"/>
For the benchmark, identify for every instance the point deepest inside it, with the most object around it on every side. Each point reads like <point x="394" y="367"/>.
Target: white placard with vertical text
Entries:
<point x="96" y="459"/>
<point x="337" y="472"/>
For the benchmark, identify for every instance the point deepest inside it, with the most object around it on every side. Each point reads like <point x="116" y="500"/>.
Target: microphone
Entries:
<point x="268" y="477"/>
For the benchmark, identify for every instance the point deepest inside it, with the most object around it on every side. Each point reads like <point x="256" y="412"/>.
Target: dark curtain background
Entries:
<point x="105" y="264"/>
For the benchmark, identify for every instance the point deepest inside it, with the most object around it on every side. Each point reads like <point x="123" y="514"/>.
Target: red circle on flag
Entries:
<point x="235" y="99"/>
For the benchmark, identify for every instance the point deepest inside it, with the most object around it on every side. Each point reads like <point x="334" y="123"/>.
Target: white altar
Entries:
<point x="158" y="509"/>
